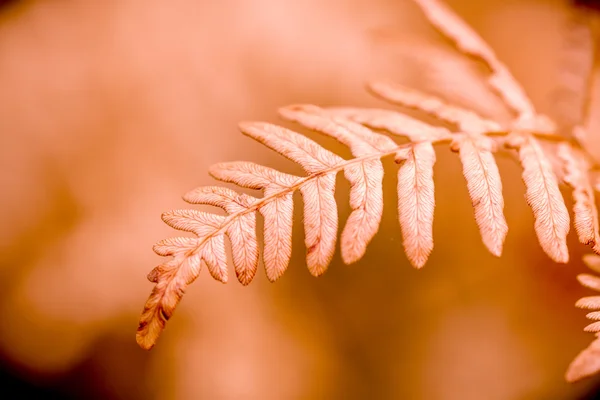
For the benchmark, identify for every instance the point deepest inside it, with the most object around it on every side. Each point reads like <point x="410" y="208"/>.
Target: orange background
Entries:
<point x="110" y="111"/>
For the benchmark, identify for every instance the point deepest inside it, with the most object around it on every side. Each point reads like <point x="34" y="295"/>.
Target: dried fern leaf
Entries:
<point x="172" y="279"/>
<point x="466" y="120"/>
<point x="366" y="188"/>
<point x="543" y="196"/>
<point x="253" y="176"/>
<point x="204" y="225"/>
<point x="277" y="213"/>
<point x="173" y="246"/>
<point x="366" y="178"/>
<point x="320" y="222"/>
<point x="200" y="223"/>
<point x="585" y="213"/>
<point x="595" y="315"/>
<point x="393" y="122"/>
<point x="594" y="327"/>
<point x="320" y="210"/>
<point x="586" y="363"/>
<point x="159" y="307"/>
<point x="416" y="201"/>
<point x="589" y="281"/>
<point x="360" y="140"/>
<point x="470" y="43"/>
<point x="213" y="255"/>
<point x="485" y="188"/>
<point x="366" y="202"/>
<point x="241" y="232"/>
<point x="311" y="157"/>
<point x="592" y="261"/>
<point x="589" y="303"/>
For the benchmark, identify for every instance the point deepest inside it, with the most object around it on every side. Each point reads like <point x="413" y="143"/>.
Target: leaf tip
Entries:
<point x="143" y="340"/>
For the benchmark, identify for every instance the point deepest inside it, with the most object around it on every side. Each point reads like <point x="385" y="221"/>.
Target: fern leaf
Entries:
<point x="200" y="223"/>
<point x="585" y="214"/>
<point x="253" y="176"/>
<point x="241" y="232"/>
<point x="366" y="178"/>
<point x="175" y="246"/>
<point x="171" y="280"/>
<point x="393" y="122"/>
<point x="466" y="120"/>
<point x="593" y="327"/>
<point x="416" y="201"/>
<point x="592" y="261"/>
<point x="204" y="225"/>
<point x="213" y="254"/>
<point x="595" y="315"/>
<point x="320" y="222"/>
<point x="360" y="140"/>
<point x="312" y="157"/>
<point x="320" y="210"/>
<point x="589" y="302"/>
<point x="278" y="215"/>
<point x="485" y="188"/>
<point x="589" y="281"/>
<point x="366" y="202"/>
<point x="543" y="196"/>
<point x="586" y="363"/>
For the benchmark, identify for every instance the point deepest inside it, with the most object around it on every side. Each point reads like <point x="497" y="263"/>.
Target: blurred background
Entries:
<point x="110" y="111"/>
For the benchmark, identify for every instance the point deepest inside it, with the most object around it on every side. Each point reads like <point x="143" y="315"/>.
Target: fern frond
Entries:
<point x="416" y="201"/>
<point x="365" y="174"/>
<point x="472" y="136"/>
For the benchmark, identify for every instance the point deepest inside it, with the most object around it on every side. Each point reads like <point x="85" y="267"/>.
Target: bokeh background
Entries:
<point x="111" y="110"/>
